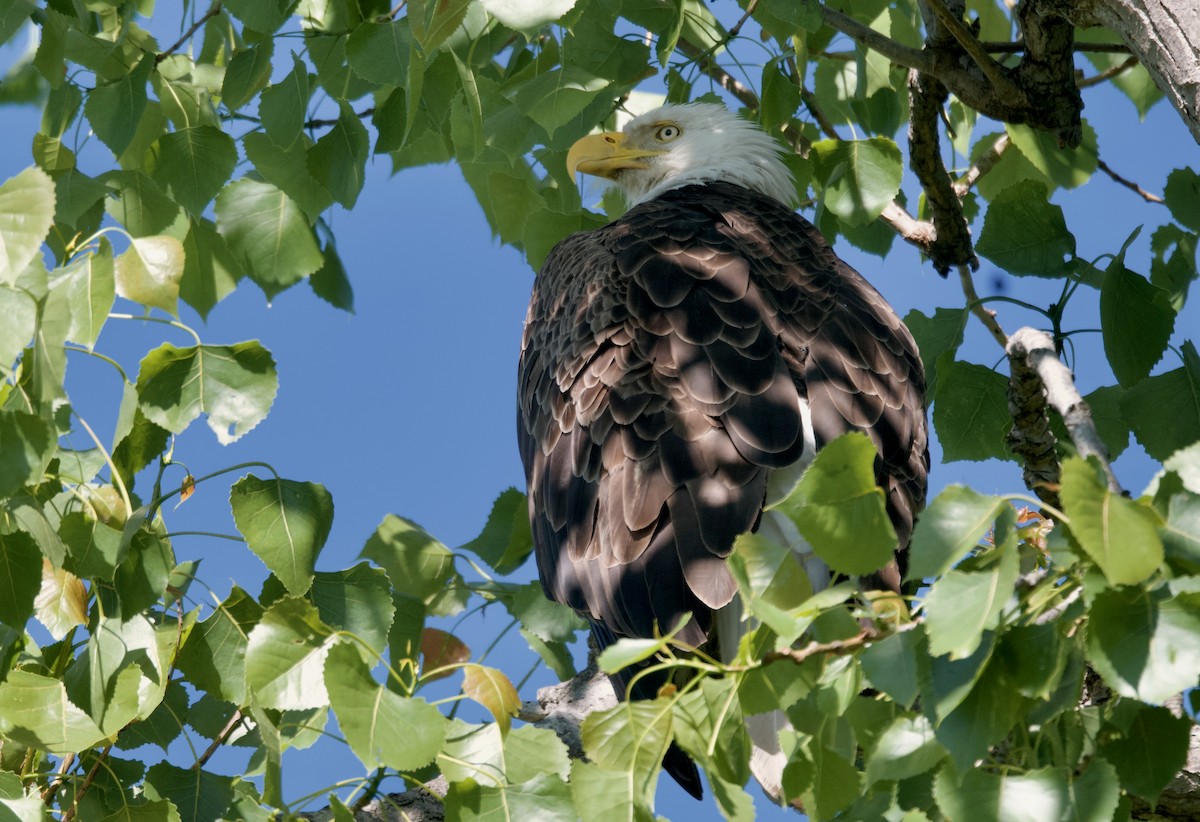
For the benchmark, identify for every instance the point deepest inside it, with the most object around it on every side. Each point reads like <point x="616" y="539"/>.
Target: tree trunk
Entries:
<point x="1163" y="34"/>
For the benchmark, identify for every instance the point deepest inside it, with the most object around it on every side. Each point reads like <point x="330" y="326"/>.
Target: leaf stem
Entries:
<point x="92" y="353"/>
<point x="212" y="12"/>
<point x="112" y="467"/>
<point x="148" y="318"/>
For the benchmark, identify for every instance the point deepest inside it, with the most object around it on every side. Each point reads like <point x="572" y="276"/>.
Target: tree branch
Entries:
<point x="1038" y="377"/>
<point x="981" y="166"/>
<point x="988" y="318"/>
<point x="212" y="12"/>
<point x="1130" y="184"/>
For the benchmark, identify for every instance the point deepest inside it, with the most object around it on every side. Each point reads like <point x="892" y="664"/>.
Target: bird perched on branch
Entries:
<point x="679" y="369"/>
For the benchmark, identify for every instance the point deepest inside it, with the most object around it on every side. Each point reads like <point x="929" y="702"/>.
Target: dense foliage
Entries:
<point x="1027" y="682"/>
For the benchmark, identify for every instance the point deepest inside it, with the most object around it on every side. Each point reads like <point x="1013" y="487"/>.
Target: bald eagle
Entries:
<point x="680" y="367"/>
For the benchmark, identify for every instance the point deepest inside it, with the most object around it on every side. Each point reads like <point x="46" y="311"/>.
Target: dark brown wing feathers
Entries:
<point x="664" y="361"/>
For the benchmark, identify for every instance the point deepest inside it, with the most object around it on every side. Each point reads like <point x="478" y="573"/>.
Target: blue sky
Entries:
<point x="408" y="405"/>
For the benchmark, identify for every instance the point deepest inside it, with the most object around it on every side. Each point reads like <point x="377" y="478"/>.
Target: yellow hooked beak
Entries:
<point x="605" y="154"/>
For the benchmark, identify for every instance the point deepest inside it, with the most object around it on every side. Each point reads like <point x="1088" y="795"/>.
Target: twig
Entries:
<point x="836" y="647"/>
<point x="63" y="766"/>
<point x="1032" y="356"/>
<point x="69" y="814"/>
<point x="988" y="318"/>
<point x="736" y="28"/>
<point x="981" y="166"/>
<point x="212" y="12"/>
<point x="366" y="112"/>
<point x="867" y="36"/>
<point x="1109" y="73"/>
<point x="992" y="70"/>
<point x="233" y="722"/>
<point x="1148" y="196"/>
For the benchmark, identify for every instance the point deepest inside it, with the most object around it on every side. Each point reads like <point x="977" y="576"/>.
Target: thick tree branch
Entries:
<point x="1038" y="377"/>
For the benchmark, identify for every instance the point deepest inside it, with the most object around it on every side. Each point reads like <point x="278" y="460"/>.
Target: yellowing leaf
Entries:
<point x="187" y="488"/>
<point x="62" y="602"/>
<point x="149" y="272"/>
<point x="493" y="690"/>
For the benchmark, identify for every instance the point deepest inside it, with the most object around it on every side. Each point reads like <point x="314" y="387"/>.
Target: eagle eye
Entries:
<point x="667" y="132"/>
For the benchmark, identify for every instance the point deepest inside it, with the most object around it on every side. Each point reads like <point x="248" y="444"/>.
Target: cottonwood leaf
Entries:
<point x="1024" y="233"/>
<point x="858" y="178"/>
<point x="20" y="313"/>
<point x="961" y="605"/>
<point x="205" y="795"/>
<point x="840" y="510"/>
<point x="1182" y="194"/>
<point x="378" y="51"/>
<point x="149" y="272"/>
<point x="1067" y="167"/>
<point x="506" y="540"/>
<point x="949" y="529"/>
<point x="264" y="16"/>
<point x="1032" y="796"/>
<point x="1150" y="751"/>
<point x="543" y="798"/>
<point x="528" y="15"/>
<point x="441" y="649"/>
<point x="1164" y="410"/>
<point x="35" y="711"/>
<point x="905" y="748"/>
<point x="1136" y="320"/>
<point x="970" y="412"/>
<point x="283" y="106"/>
<point x="630" y="738"/>
<point x="1143" y="642"/>
<point x="492" y="689"/>
<point x="287" y="169"/>
<point x="27" y="444"/>
<point x="285" y="656"/>
<point x="26" y="214"/>
<point x="433" y="21"/>
<point x="20" y="578"/>
<point x="248" y="73"/>
<point x="268" y="233"/>
<point x="382" y="727"/>
<point x="339" y="159"/>
<point x="285" y="524"/>
<point x="934" y="336"/>
<point x="1121" y="535"/>
<point x="233" y="384"/>
<point x="61" y="602"/>
<point x="417" y="563"/>
<point x="192" y="164"/>
<point x="115" y="108"/>
<point x="213" y="657"/>
<point x="602" y="795"/>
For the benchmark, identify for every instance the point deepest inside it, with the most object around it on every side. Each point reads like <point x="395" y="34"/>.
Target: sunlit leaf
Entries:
<point x="26" y="214"/>
<point x="858" y="178"/>
<point x="949" y="528"/>
<point x="233" y="384"/>
<point x="285" y="656"/>
<point x="285" y="524"/>
<point x="192" y="164"/>
<point x="492" y="689"/>
<point x="382" y="728"/>
<point x="1121" y="535"/>
<point x="1024" y="233"/>
<point x="268" y="233"/>
<point x="61" y="602"/>
<point x="149" y="271"/>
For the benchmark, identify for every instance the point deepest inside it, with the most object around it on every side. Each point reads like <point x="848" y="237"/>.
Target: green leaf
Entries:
<point x="94" y="547"/>
<point x="382" y="728"/>
<point x="210" y="272"/>
<point x="1121" y="535"/>
<point x="416" y="563"/>
<point x="601" y="795"/>
<point x="214" y="655"/>
<point x="630" y="738"/>
<point x="285" y="656"/>
<point x="192" y="164"/>
<point x="840" y="510"/>
<point x="962" y="605"/>
<point x="1142" y="642"/>
<point x="357" y="600"/>
<point x="35" y="712"/>
<point x="26" y="447"/>
<point x="949" y="529"/>
<point x="264" y="16"/>
<point x="506" y="540"/>
<point x="1067" y="167"/>
<point x="553" y="99"/>
<point x="283" y="107"/>
<point x="492" y="689"/>
<point x="161" y="811"/>
<point x="141" y="578"/>
<point x="527" y="15"/>
<point x="907" y="747"/>
<point x="858" y="178"/>
<point x="285" y="524"/>
<point x="1164" y="410"/>
<point x="836" y="782"/>
<point x="772" y="582"/>
<point x="473" y="752"/>
<point x="891" y="665"/>
<point x="1024" y="233"/>
<point x="551" y="621"/>
<point x="987" y="709"/>
<point x="934" y="336"/>
<point x="287" y="169"/>
<point x="149" y="272"/>
<point x="26" y="215"/>
<point x="530" y="751"/>
<point x="435" y="20"/>
<point x="338" y="160"/>
<point x="1150" y="751"/>
<point x="268" y="233"/>
<point x="1174" y="274"/>
<point x="378" y="52"/>
<point x="20" y="577"/>
<point x="1183" y="197"/>
<point x="970" y="412"/>
<point x="330" y="282"/>
<point x="1136" y="319"/>
<point x="140" y="205"/>
<point x="248" y="73"/>
<point x="203" y="795"/>
<point x="115" y="108"/>
<point x="20" y="314"/>
<point x="233" y="384"/>
<point x="626" y="652"/>
<point x="1033" y="796"/>
<point x="1095" y="793"/>
<point x="544" y="797"/>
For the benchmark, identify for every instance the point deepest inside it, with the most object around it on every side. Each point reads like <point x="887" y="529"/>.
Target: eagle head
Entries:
<point x="678" y="145"/>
